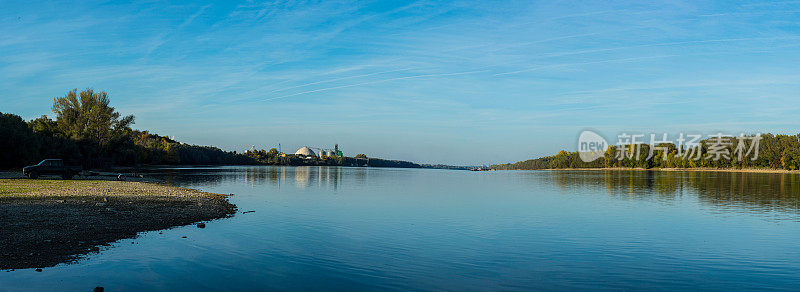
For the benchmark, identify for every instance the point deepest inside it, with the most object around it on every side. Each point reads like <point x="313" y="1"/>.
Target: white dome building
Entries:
<point x="305" y="151"/>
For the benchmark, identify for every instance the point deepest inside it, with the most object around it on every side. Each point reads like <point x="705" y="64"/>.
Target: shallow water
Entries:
<point x="418" y="229"/>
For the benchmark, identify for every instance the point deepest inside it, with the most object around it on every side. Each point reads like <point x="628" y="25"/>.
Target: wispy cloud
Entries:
<point x="165" y="36"/>
<point x="624" y="60"/>
<point x="374" y="82"/>
<point x="338" y="79"/>
<point x="439" y="70"/>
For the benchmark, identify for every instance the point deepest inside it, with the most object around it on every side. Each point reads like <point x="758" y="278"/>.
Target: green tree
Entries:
<point x="610" y="156"/>
<point x="44" y="126"/>
<point x="362" y="155"/>
<point x="561" y="160"/>
<point x="18" y="144"/>
<point x="790" y="158"/>
<point x="88" y="116"/>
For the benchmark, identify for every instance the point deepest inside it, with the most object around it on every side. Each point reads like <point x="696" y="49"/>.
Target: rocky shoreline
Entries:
<point x="47" y="222"/>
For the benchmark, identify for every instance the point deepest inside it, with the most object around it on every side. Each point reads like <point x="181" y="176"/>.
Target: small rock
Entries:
<point x="38" y="270"/>
<point x="100" y="204"/>
<point x="201" y="225"/>
<point x="183" y="236"/>
<point x="98" y="289"/>
<point x="245" y="212"/>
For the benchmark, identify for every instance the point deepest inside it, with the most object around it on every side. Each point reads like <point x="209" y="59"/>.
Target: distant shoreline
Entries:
<point x="745" y="170"/>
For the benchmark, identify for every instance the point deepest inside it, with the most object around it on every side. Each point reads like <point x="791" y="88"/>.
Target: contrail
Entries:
<point x="648" y="45"/>
<point x="584" y="63"/>
<point x="373" y="82"/>
<point x="342" y="78"/>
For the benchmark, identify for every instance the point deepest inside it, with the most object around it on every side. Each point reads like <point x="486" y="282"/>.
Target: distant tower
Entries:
<point x="279" y="148"/>
<point x="336" y="151"/>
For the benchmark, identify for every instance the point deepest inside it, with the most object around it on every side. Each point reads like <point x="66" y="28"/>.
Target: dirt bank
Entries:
<point x="47" y="222"/>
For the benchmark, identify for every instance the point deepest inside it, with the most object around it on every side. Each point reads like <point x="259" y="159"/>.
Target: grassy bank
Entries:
<point x="47" y="222"/>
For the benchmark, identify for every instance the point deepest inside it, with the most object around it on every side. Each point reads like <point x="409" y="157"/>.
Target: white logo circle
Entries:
<point x="591" y="146"/>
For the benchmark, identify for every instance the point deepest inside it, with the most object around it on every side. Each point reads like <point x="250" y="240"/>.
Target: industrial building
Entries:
<point x="305" y="151"/>
<point x="308" y="152"/>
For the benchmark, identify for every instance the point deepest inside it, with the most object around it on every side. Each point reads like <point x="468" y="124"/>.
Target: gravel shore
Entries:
<point x="47" y="222"/>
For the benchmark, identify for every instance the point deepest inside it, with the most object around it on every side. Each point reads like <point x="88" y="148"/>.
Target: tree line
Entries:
<point x="88" y="131"/>
<point x="774" y="152"/>
<point x="274" y="157"/>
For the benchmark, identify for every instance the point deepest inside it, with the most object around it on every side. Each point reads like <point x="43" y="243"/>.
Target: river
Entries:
<point x="332" y="228"/>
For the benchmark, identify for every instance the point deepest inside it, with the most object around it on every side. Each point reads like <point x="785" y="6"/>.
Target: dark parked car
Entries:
<point x="51" y="167"/>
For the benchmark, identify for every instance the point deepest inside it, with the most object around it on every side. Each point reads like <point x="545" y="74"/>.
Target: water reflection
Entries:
<point x="773" y="194"/>
<point x="725" y="191"/>
<point x="301" y="177"/>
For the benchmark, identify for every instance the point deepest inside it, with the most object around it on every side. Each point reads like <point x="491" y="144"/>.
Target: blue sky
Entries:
<point x="466" y="82"/>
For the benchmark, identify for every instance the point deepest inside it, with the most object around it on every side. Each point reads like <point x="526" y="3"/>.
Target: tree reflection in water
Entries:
<point x="765" y="193"/>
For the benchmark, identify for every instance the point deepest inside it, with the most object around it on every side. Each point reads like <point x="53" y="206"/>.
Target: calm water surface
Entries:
<point x="331" y="228"/>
